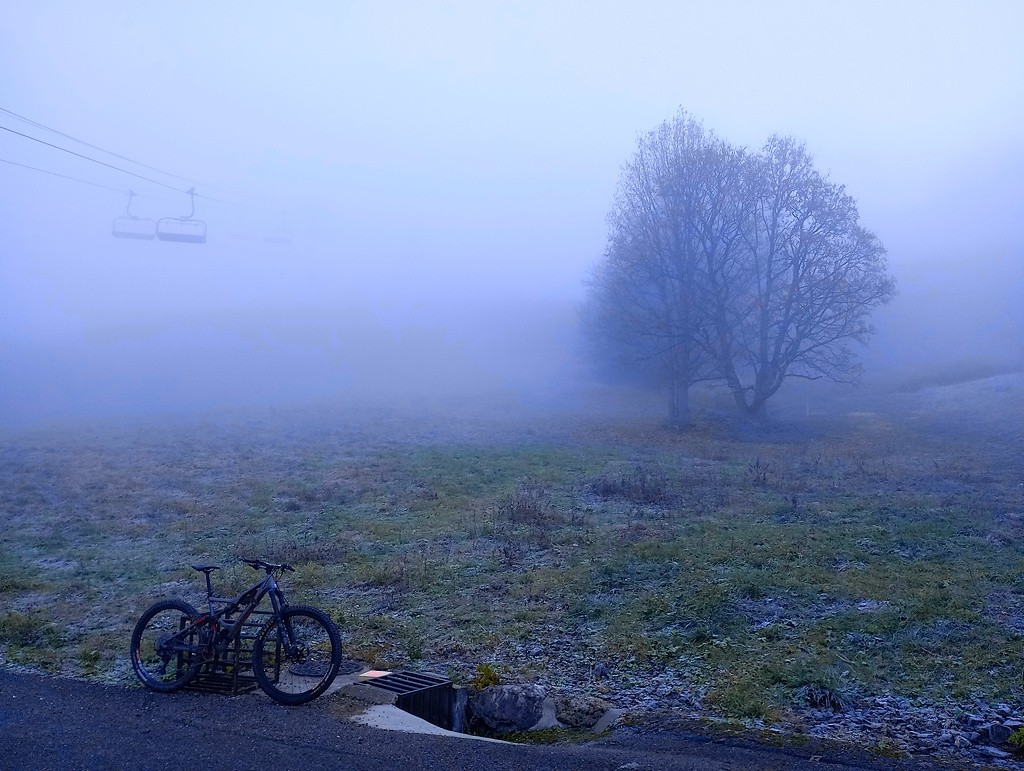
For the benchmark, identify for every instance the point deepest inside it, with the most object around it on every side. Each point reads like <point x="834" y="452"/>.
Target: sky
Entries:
<point x="446" y="169"/>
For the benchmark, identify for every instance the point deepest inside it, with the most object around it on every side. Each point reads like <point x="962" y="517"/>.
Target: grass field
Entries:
<point x="741" y="572"/>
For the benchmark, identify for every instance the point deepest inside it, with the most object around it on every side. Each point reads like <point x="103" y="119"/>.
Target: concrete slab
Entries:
<point x="607" y="720"/>
<point x="547" y="719"/>
<point x="390" y="718"/>
<point x="343" y="680"/>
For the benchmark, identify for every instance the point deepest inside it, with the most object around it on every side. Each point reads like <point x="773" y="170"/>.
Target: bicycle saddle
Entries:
<point x="205" y="568"/>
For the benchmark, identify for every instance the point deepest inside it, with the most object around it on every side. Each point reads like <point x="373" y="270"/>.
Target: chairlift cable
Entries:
<point x="62" y="176"/>
<point x="116" y="155"/>
<point x="94" y="160"/>
<point x="122" y="191"/>
<point x="117" y="168"/>
<point x="130" y="160"/>
<point x="132" y="173"/>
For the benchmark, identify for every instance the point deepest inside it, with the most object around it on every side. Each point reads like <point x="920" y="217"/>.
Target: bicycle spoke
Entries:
<point x="301" y="663"/>
<point x="162" y="657"/>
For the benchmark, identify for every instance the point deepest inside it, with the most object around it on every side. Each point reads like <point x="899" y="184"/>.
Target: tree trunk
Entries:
<point x="679" y="405"/>
<point x="756" y="410"/>
<point x="739" y="397"/>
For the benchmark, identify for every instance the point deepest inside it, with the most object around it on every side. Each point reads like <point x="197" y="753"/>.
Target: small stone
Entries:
<point x="961" y="742"/>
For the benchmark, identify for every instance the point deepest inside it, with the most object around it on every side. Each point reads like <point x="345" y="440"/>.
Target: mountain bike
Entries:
<point x="295" y="654"/>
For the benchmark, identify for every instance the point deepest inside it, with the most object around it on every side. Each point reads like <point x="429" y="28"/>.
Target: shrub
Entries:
<point x="1016" y="740"/>
<point x="28" y="630"/>
<point x="640" y="485"/>
<point x="486" y="676"/>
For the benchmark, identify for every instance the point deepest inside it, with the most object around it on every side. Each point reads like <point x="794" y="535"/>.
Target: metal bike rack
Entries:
<point x="233" y="675"/>
<point x="421" y="694"/>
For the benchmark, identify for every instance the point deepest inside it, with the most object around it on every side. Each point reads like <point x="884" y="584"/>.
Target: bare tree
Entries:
<point x="809" y="278"/>
<point x="745" y="268"/>
<point x="643" y="306"/>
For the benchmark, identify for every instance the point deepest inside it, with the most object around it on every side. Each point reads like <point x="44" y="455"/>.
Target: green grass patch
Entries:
<point x="800" y="569"/>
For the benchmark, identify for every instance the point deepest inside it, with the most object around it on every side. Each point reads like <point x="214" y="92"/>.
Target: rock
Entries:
<point x="505" y="708"/>
<point x="995" y="753"/>
<point x="998" y="733"/>
<point x="961" y="742"/>
<point x="580" y="711"/>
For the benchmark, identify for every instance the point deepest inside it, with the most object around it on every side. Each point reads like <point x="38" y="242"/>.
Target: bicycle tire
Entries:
<point x="300" y="675"/>
<point x="159" y="668"/>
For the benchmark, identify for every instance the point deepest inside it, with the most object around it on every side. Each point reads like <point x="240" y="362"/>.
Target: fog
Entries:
<point x="445" y="171"/>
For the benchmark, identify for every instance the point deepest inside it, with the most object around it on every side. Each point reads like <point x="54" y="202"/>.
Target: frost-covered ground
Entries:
<point x="854" y="573"/>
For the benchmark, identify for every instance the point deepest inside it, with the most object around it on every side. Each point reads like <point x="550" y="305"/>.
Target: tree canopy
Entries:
<point x="731" y="266"/>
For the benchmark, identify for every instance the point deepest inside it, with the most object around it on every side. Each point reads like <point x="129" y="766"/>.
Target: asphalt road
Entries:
<point x="51" y="723"/>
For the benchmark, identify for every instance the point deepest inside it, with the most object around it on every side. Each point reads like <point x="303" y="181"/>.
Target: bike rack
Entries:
<point x="233" y="675"/>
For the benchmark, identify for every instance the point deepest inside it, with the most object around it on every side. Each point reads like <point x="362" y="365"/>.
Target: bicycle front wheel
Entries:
<point x="297" y="660"/>
<point x="164" y="655"/>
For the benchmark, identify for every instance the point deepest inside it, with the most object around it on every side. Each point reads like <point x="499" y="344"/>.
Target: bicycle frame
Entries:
<point x="244" y="604"/>
<point x="227" y="631"/>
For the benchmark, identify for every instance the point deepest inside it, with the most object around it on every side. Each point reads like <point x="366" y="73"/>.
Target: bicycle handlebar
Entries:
<point x="268" y="566"/>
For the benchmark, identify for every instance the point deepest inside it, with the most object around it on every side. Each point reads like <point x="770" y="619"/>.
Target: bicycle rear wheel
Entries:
<point x="300" y="664"/>
<point x="163" y="658"/>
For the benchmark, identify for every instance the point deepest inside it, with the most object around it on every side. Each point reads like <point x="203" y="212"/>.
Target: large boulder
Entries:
<point x="505" y="708"/>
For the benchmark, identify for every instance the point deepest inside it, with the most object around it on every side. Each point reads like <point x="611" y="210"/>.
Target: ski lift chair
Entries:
<point x="185" y="229"/>
<point x="132" y="226"/>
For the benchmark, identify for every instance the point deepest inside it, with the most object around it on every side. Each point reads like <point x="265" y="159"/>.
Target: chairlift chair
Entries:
<point x="132" y="226"/>
<point x="185" y="229"/>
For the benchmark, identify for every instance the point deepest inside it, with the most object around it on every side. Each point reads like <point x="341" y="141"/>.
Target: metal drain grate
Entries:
<point x="421" y="694"/>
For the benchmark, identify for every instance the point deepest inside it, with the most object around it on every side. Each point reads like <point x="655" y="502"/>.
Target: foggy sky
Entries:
<point x="446" y="169"/>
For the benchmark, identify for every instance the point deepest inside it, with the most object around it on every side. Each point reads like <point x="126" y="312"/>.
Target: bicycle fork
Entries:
<point x="285" y="635"/>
